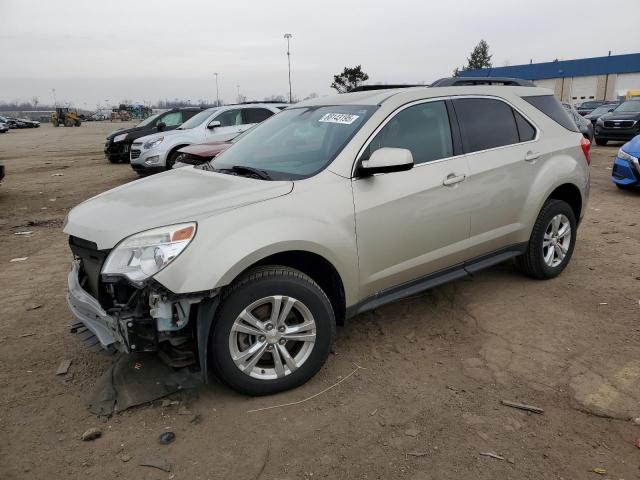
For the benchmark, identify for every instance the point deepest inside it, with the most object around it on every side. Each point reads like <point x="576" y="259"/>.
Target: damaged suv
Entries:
<point x="242" y="267"/>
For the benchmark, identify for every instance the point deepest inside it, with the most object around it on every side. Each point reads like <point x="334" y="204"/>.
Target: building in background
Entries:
<point x="576" y="81"/>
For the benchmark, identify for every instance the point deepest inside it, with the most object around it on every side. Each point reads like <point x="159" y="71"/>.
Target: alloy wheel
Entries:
<point x="556" y="240"/>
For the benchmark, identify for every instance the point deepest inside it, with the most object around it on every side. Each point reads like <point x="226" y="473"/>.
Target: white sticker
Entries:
<point x="343" y="118"/>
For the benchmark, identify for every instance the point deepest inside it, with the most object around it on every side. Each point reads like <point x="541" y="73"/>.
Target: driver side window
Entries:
<point x="230" y="118"/>
<point x="423" y="129"/>
<point x="171" y="119"/>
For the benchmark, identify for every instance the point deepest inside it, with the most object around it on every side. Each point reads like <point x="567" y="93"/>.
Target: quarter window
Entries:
<point x="423" y="129"/>
<point x="485" y="123"/>
<point x="525" y="129"/>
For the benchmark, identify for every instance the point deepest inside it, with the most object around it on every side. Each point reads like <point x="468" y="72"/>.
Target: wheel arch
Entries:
<point x="570" y="193"/>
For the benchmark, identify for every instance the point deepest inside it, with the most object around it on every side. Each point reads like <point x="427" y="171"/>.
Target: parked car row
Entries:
<point x="623" y="123"/>
<point x="335" y="206"/>
<point x="12" y="122"/>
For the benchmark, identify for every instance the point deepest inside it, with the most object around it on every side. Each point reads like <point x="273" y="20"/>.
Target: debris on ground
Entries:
<point x="599" y="470"/>
<point x="91" y="434"/>
<point x="158" y="463"/>
<point x="412" y="432"/>
<point x="57" y="175"/>
<point x="28" y="232"/>
<point x="522" y="406"/>
<point x="417" y="454"/>
<point x="63" y="368"/>
<point x="24" y="335"/>
<point x="124" y="457"/>
<point x="18" y="259"/>
<point x="492" y="455"/>
<point x="196" y="419"/>
<point x="166" y="438"/>
<point x="34" y="307"/>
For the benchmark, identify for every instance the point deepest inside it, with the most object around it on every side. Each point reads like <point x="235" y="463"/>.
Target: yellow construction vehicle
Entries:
<point x="66" y="117"/>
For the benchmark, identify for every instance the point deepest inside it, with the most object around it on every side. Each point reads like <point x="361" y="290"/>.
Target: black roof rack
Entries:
<point x="366" y="88"/>
<point x="466" y="81"/>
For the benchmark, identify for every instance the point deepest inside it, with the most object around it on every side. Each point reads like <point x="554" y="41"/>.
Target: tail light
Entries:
<point x="586" y="149"/>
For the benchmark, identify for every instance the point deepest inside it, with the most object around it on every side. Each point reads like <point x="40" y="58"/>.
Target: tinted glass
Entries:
<point x="197" y="119"/>
<point x="525" y="129"/>
<point x="256" y="115"/>
<point x="187" y="114"/>
<point x="551" y="107"/>
<point x="230" y="118"/>
<point x="424" y="129"/>
<point x="485" y="123"/>
<point x="298" y="142"/>
<point x="629" y="106"/>
<point x="173" y="118"/>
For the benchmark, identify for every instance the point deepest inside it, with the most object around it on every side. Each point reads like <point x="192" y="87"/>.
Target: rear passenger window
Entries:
<point x="256" y="115"/>
<point x="525" y="129"/>
<point x="485" y="123"/>
<point x="552" y="108"/>
<point x="424" y="129"/>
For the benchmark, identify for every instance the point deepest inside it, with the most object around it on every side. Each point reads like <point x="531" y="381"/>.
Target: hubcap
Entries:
<point x="556" y="240"/>
<point x="272" y="337"/>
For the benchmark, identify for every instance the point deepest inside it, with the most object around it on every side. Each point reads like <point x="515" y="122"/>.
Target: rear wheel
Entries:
<point x="273" y="331"/>
<point x="551" y="243"/>
<point x="601" y="141"/>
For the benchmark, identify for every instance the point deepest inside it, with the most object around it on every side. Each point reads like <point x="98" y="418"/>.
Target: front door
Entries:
<point x="414" y="223"/>
<point x="230" y="126"/>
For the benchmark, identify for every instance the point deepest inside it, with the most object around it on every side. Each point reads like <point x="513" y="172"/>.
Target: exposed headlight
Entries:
<point x="622" y="155"/>
<point x="144" y="254"/>
<point x="600" y="121"/>
<point x="153" y="143"/>
<point x="119" y="138"/>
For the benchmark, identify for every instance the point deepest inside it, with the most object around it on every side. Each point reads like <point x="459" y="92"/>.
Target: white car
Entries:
<point x="158" y="152"/>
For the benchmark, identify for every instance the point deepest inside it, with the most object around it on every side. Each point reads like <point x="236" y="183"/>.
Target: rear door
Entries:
<point x="503" y="156"/>
<point x="410" y="224"/>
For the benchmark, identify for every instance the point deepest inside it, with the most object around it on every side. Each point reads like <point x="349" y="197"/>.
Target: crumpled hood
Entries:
<point x="171" y="197"/>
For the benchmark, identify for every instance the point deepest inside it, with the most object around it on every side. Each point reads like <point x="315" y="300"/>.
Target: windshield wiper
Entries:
<point x="241" y="170"/>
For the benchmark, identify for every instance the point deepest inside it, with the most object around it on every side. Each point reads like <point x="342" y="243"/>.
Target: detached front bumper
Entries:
<point x="88" y="311"/>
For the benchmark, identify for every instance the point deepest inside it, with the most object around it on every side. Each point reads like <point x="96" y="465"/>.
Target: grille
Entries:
<point x="135" y="153"/>
<point x="619" y="124"/>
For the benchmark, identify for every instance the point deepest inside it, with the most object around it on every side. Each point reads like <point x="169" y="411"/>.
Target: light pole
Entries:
<point x="288" y="37"/>
<point x="55" y="103"/>
<point x="217" y="91"/>
<point x="238" y="86"/>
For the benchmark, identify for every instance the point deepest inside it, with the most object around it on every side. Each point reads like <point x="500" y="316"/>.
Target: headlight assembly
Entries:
<point x="144" y="254"/>
<point x="153" y="143"/>
<point x="622" y="155"/>
<point x="119" y="138"/>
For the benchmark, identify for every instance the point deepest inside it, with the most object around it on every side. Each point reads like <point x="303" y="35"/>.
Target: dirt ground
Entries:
<point x="424" y="405"/>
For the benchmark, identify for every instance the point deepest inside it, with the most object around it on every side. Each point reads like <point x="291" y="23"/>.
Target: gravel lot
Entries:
<point x="424" y="406"/>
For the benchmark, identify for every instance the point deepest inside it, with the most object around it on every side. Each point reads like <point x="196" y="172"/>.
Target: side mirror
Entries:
<point x="160" y="126"/>
<point x="214" y="124"/>
<point x="386" y="160"/>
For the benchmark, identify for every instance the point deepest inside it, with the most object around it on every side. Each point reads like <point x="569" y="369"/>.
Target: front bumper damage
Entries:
<point x="131" y="318"/>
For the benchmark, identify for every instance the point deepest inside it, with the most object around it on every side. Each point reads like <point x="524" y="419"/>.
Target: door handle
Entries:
<point x="530" y="156"/>
<point x="452" y="179"/>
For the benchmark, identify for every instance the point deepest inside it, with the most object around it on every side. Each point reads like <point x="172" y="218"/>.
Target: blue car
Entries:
<point x="626" y="167"/>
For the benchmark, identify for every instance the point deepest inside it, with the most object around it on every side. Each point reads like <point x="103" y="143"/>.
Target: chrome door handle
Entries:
<point x="530" y="156"/>
<point x="452" y="179"/>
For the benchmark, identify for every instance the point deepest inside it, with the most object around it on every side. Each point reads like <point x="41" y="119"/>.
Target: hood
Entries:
<point x="210" y="149"/>
<point x="154" y="136"/>
<point x="175" y="196"/>
<point x="632" y="147"/>
<point x="621" y="116"/>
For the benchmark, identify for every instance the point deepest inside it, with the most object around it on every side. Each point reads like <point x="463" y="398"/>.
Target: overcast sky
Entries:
<point x="142" y="50"/>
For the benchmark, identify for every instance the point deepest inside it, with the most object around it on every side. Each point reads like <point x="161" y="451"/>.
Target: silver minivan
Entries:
<point x="244" y="266"/>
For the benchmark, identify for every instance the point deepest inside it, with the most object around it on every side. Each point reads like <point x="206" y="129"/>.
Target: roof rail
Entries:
<point x="258" y="101"/>
<point x="466" y="81"/>
<point x="366" y="88"/>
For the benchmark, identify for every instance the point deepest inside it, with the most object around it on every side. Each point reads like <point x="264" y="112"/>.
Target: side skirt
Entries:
<point x="435" y="279"/>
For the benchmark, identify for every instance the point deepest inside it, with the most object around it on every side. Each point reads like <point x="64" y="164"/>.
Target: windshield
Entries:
<point x="296" y="143"/>
<point x="630" y="106"/>
<point x="590" y="104"/>
<point x="197" y="119"/>
<point x="601" y="110"/>
<point x="148" y="120"/>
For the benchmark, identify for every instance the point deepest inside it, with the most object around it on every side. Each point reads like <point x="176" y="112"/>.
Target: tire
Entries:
<point x="171" y="158"/>
<point x="534" y="262"/>
<point x="626" y="188"/>
<point x="601" y="141"/>
<point x="114" y="160"/>
<point x="257" y="292"/>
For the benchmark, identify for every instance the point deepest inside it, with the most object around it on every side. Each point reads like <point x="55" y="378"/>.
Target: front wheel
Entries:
<point x="551" y="243"/>
<point x="601" y="141"/>
<point x="273" y="331"/>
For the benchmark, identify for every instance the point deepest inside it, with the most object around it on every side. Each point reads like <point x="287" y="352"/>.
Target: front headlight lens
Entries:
<point x="119" y="138"/>
<point x="144" y="254"/>
<point x="622" y="155"/>
<point x="600" y="121"/>
<point x="153" y="143"/>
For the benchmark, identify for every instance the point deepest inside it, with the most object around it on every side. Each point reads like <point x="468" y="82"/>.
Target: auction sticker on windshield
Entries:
<point x="344" y="118"/>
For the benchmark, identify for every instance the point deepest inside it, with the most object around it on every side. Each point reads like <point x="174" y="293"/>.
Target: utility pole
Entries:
<point x="217" y="91"/>
<point x="55" y="103"/>
<point x="288" y="37"/>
